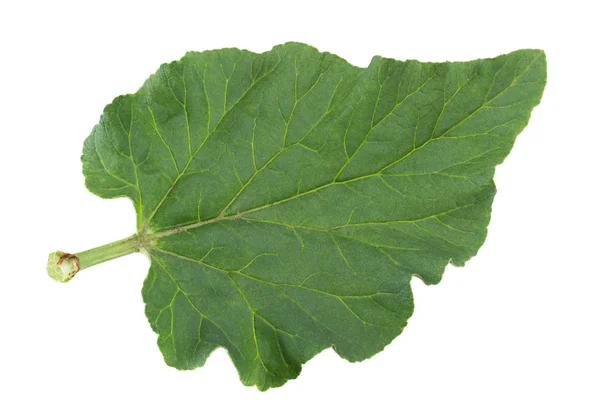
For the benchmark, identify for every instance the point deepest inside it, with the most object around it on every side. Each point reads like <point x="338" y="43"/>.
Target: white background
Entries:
<point x="516" y="330"/>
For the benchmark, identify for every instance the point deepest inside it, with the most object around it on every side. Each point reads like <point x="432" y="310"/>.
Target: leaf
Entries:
<point x="286" y="199"/>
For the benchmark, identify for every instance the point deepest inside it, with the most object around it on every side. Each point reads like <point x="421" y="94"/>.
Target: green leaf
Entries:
<point x="286" y="199"/>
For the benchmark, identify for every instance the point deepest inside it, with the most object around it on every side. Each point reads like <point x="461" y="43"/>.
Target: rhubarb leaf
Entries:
<point x="286" y="199"/>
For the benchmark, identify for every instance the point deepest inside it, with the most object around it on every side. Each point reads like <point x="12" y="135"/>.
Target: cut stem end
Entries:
<point x="62" y="266"/>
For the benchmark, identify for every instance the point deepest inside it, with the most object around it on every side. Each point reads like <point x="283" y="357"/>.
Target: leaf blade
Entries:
<point x="288" y="198"/>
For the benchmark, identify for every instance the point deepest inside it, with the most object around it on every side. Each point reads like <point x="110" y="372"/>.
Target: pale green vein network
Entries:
<point x="286" y="199"/>
<point x="192" y="155"/>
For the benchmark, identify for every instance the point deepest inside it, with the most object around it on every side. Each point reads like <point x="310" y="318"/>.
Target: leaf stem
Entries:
<point x="62" y="266"/>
